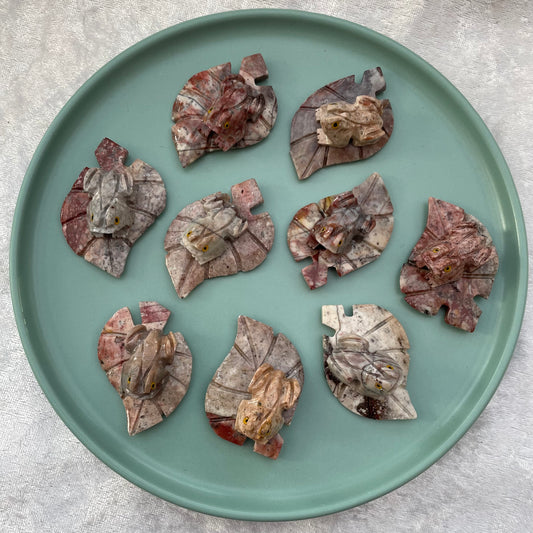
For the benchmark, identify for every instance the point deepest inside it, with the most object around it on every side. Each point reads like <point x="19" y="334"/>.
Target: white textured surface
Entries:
<point x="49" y="480"/>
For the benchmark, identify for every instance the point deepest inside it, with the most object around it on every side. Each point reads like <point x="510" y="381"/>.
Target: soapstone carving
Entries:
<point x="110" y="207"/>
<point x="151" y="371"/>
<point x="366" y="362"/>
<point x="255" y="390"/>
<point x="261" y="417"/>
<point x="208" y="236"/>
<point x="344" y="231"/>
<point x="218" y="110"/>
<point x="453" y="261"/>
<point x="340" y="123"/>
<point x="218" y="236"/>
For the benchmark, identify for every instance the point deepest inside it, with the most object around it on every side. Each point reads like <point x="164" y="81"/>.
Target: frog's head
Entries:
<point x="237" y="104"/>
<point x="336" y="125"/>
<point x="440" y="263"/>
<point x="108" y="218"/>
<point x="258" y="422"/>
<point x="462" y="249"/>
<point x="331" y="235"/>
<point x="336" y="232"/>
<point x="381" y="377"/>
<point x="203" y="243"/>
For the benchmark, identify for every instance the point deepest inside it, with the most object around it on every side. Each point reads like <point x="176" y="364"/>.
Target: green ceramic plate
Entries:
<point x="332" y="459"/>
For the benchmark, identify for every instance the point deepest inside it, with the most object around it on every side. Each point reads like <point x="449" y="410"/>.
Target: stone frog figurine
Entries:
<point x="342" y="122"/>
<point x="454" y="261"/>
<point x="207" y="237"/>
<point x="261" y="417"/>
<point x="352" y="364"/>
<point x="366" y="362"/>
<point x="344" y="231"/>
<point x="344" y="221"/>
<point x="150" y="371"/>
<point x="239" y="103"/>
<point x="108" y="210"/>
<point x="218" y="236"/>
<point x="110" y="206"/>
<point x="446" y="260"/>
<point x="256" y="388"/>
<point x="144" y="373"/>
<point x="219" y="110"/>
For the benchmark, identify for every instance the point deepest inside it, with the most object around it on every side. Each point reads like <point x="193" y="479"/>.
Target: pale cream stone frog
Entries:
<point x="342" y="122"/>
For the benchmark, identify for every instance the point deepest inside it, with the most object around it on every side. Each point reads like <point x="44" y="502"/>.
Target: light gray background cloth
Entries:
<point x="48" y="480"/>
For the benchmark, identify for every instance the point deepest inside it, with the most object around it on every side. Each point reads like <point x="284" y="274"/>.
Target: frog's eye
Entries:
<point x="92" y="217"/>
<point x="205" y="248"/>
<point x="390" y="367"/>
<point x="117" y="221"/>
<point x="447" y="268"/>
<point x="339" y="243"/>
<point x="378" y="385"/>
<point x="129" y="380"/>
<point x="436" y="250"/>
<point x="152" y="385"/>
<point x="259" y="404"/>
<point x="210" y="110"/>
<point x="245" y="420"/>
<point x="335" y="125"/>
<point x="322" y="229"/>
<point x="189" y="233"/>
<point x="226" y="124"/>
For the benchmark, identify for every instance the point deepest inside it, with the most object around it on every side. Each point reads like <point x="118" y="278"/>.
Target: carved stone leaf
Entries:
<point x="244" y="253"/>
<point x="255" y="344"/>
<point x="191" y="136"/>
<point x="307" y="155"/>
<point x="386" y="340"/>
<point x="112" y="354"/>
<point x="469" y="249"/>
<point x="373" y="199"/>
<point x="147" y="201"/>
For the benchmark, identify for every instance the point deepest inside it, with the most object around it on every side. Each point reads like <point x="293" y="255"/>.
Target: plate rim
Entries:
<point x="312" y="18"/>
